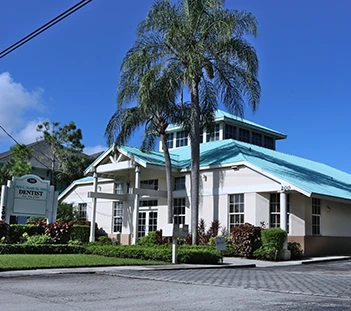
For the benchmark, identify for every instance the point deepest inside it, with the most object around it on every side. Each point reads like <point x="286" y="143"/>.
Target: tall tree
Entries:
<point x="156" y="108"/>
<point x="18" y="165"/>
<point x="66" y="157"/>
<point x="206" y="43"/>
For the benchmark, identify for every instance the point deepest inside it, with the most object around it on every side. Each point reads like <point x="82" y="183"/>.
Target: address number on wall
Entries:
<point x="285" y="188"/>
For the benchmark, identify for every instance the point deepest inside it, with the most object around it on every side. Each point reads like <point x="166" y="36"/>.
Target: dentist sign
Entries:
<point x="29" y="195"/>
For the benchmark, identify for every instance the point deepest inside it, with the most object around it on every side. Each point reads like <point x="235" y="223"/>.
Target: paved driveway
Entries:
<point x="331" y="279"/>
<point x="324" y="286"/>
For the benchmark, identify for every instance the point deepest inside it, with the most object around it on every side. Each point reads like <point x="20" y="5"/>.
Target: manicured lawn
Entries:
<point x="17" y="262"/>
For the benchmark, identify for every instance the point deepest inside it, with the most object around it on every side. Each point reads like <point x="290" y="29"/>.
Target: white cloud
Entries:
<point x="94" y="149"/>
<point x="15" y="102"/>
<point x="29" y="133"/>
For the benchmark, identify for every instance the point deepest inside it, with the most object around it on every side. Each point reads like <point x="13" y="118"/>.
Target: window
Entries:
<point x="82" y="210"/>
<point x="214" y="136"/>
<point x="229" y="132"/>
<point x="148" y="203"/>
<point x="274" y="209"/>
<point x="152" y="221"/>
<point x="170" y="140"/>
<point x="256" y="139"/>
<point x="179" y="183"/>
<point x="244" y="135"/>
<point x="179" y="211"/>
<point x="269" y="142"/>
<point x="236" y="210"/>
<point x="117" y="216"/>
<point x="201" y="136"/>
<point x="274" y="206"/>
<point x="149" y="184"/>
<point x="182" y="139"/>
<point x="316" y="216"/>
<point x="147" y="222"/>
<point x="119" y="188"/>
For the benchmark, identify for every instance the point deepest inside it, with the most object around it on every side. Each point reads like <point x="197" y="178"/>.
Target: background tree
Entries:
<point x="18" y="165"/>
<point x="66" y="157"/>
<point x="155" y="93"/>
<point x="207" y="45"/>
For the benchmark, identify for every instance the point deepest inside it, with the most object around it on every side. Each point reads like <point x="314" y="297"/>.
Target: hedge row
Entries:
<point x="160" y="253"/>
<point x="41" y="249"/>
<point x="60" y="232"/>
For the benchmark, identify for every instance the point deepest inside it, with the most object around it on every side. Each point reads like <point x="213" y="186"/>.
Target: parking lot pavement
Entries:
<point x="328" y="279"/>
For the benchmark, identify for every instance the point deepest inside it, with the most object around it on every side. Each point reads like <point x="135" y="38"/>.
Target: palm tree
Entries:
<point x="206" y="45"/>
<point x="156" y="109"/>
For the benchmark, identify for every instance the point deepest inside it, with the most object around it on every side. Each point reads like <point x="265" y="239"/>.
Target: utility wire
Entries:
<point x="9" y="135"/>
<point x="46" y="26"/>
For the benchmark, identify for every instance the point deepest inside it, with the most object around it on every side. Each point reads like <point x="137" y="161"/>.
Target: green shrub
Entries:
<point x="40" y="249"/>
<point x="4" y="230"/>
<point x="38" y="239"/>
<point x="272" y="243"/>
<point x="80" y="232"/>
<point x="295" y="249"/>
<point x="229" y="251"/>
<point x="17" y="231"/>
<point x="104" y="240"/>
<point x="246" y="239"/>
<point x="149" y="240"/>
<point x="266" y="253"/>
<point x="273" y="238"/>
<point x="74" y="242"/>
<point x="199" y="255"/>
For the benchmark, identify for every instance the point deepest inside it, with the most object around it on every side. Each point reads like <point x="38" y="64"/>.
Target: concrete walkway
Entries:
<point x="228" y="263"/>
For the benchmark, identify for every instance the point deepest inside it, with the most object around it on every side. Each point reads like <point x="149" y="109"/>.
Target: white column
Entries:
<point x="285" y="253"/>
<point x="283" y="211"/>
<point x="3" y="204"/>
<point x="136" y="205"/>
<point x="93" y="211"/>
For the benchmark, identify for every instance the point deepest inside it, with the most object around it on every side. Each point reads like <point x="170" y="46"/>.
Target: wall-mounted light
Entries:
<point x="235" y="168"/>
<point x="204" y="177"/>
<point x="328" y="209"/>
<point x="99" y="188"/>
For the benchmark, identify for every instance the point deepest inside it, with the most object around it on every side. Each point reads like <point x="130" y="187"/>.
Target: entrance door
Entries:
<point x="147" y="222"/>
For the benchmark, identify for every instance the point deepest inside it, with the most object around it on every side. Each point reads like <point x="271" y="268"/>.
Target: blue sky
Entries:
<point x="70" y="72"/>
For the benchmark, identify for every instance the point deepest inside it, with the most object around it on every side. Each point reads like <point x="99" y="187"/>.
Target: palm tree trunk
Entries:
<point x="195" y="160"/>
<point x="169" y="177"/>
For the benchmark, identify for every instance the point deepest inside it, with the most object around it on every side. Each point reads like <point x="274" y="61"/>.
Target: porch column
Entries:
<point x="136" y="205"/>
<point x="283" y="211"/>
<point x="285" y="254"/>
<point x="93" y="211"/>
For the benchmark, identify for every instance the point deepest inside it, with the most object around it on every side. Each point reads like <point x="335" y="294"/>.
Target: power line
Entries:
<point x="46" y="26"/>
<point x="9" y="135"/>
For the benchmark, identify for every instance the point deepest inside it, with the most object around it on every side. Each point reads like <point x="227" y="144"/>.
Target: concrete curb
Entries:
<point x="312" y="261"/>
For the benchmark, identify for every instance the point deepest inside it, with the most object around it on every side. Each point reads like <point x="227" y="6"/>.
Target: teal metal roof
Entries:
<point x="222" y="115"/>
<point x="310" y="176"/>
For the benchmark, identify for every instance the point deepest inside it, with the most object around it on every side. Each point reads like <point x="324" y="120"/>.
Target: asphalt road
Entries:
<point x="324" y="286"/>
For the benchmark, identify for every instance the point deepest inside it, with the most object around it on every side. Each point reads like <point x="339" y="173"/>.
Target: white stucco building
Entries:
<point x="243" y="179"/>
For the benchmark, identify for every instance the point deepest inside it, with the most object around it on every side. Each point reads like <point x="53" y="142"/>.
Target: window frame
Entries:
<point x="236" y="210"/>
<point x="316" y="216"/>
<point x="149" y="184"/>
<point x="230" y="131"/>
<point x="82" y="210"/>
<point x="117" y="216"/>
<point x="274" y="210"/>
<point x="181" y="139"/>
<point x="179" y="183"/>
<point x="179" y="210"/>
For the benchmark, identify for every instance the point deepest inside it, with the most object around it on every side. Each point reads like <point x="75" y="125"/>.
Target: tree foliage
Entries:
<point x="18" y="165"/>
<point x="206" y="46"/>
<point x="66" y="157"/>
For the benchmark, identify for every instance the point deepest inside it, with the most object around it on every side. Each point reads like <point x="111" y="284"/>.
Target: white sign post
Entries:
<point x="28" y="195"/>
<point x="174" y="231"/>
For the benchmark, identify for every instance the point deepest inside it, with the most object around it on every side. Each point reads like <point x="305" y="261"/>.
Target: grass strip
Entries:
<point x="22" y="262"/>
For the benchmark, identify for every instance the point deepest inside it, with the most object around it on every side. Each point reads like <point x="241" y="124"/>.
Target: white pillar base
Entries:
<point x="285" y="254"/>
